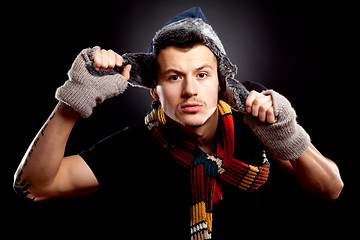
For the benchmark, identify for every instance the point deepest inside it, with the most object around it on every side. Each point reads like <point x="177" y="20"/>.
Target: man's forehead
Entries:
<point x="175" y="58"/>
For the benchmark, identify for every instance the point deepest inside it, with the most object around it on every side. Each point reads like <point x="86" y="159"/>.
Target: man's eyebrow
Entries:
<point x="172" y="70"/>
<point x="204" y="66"/>
<point x="177" y="71"/>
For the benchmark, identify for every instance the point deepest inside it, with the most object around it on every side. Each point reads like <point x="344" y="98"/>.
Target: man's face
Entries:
<point x="188" y="84"/>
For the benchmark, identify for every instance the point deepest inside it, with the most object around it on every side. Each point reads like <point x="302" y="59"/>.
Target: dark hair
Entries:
<point x="188" y="39"/>
<point x="182" y="39"/>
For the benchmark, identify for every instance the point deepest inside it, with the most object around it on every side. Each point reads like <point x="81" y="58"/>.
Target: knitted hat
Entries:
<point x="190" y="21"/>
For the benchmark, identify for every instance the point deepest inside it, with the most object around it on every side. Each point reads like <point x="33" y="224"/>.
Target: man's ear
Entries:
<point x="154" y="94"/>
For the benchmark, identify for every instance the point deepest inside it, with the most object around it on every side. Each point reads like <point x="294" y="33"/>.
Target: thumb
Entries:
<point x="126" y="72"/>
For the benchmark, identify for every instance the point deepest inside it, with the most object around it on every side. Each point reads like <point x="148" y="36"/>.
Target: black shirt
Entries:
<point x="150" y="192"/>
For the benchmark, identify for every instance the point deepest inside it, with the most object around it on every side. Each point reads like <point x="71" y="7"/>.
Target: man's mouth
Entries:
<point x="191" y="107"/>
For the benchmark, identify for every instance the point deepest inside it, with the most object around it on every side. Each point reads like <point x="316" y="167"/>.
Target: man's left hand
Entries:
<point x="260" y="106"/>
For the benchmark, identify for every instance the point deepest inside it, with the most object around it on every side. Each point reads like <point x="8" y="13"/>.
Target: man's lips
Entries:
<point x="191" y="107"/>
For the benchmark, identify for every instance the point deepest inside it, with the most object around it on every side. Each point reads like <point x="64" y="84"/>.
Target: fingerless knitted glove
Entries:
<point x="285" y="138"/>
<point x="87" y="86"/>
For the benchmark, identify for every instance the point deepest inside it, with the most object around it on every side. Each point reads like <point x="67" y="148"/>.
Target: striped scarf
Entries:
<point x="206" y="170"/>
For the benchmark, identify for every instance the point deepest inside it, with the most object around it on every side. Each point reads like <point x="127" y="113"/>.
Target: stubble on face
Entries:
<point x="195" y="71"/>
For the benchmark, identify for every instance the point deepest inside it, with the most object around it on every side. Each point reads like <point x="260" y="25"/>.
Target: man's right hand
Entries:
<point x="108" y="59"/>
<point x="92" y="80"/>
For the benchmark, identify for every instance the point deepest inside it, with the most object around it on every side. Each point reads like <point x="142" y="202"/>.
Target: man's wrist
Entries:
<point x="67" y="111"/>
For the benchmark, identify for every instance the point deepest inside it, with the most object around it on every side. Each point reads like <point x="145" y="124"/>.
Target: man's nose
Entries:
<point x="189" y="88"/>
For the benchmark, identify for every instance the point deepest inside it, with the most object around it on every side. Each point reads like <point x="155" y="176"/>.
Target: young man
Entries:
<point x="205" y="139"/>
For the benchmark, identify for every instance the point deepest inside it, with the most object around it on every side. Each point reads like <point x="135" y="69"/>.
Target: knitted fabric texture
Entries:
<point x="207" y="170"/>
<point x="87" y="86"/>
<point x="285" y="138"/>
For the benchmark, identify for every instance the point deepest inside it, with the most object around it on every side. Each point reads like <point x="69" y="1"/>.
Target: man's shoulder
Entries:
<point x="128" y="141"/>
<point x="120" y="151"/>
<point x="136" y="131"/>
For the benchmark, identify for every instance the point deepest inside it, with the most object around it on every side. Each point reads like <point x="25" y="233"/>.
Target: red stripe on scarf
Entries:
<point x="206" y="189"/>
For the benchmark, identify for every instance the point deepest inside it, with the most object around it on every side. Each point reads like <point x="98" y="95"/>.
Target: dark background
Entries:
<point x="302" y="49"/>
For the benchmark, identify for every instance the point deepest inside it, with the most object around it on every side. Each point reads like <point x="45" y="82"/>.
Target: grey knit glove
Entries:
<point x="87" y="86"/>
<point x="285" y="138"/>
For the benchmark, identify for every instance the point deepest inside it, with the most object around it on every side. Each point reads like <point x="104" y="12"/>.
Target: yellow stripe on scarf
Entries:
<point x="224" y="108"/>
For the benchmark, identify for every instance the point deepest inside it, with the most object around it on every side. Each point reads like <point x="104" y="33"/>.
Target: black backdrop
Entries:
<point x="302" y="49"/>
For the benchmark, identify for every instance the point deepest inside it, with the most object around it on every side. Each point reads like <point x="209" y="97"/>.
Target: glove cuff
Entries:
<point x="84" y="97"/>
<point x="81" y="103"/>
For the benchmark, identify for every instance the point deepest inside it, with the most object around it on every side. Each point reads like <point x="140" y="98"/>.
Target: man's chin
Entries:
<point x="192" y="120"/>
<point x="192" y="123"/>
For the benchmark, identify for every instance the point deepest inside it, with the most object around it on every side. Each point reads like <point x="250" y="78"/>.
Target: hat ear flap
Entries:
<point x="239" y="92"/>
<point x="143" y="68"/>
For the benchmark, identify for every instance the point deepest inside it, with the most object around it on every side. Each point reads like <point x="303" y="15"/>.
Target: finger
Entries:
<point x="262" y="113"/>
<point x="271" y="115"/>
<point x="97" y="60"/>
<point x="104" y="59"/>
<point x="118" y="60"/>
<point x="126" y="72"/>
<point x="111" y="59"/>
<point x="257" y="105"/>
<point x="255" y="108"/>
<point x="249" y="101"/>
<point x="264" y="109"/>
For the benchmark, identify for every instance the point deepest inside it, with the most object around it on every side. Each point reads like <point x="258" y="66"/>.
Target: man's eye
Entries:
<point x="174" y="77"/>
<point x="202" y="75"/>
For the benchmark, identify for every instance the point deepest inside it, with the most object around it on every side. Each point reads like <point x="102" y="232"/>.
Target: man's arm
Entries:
<point x="44" y="172"/>
<point x="317" y="174"/>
